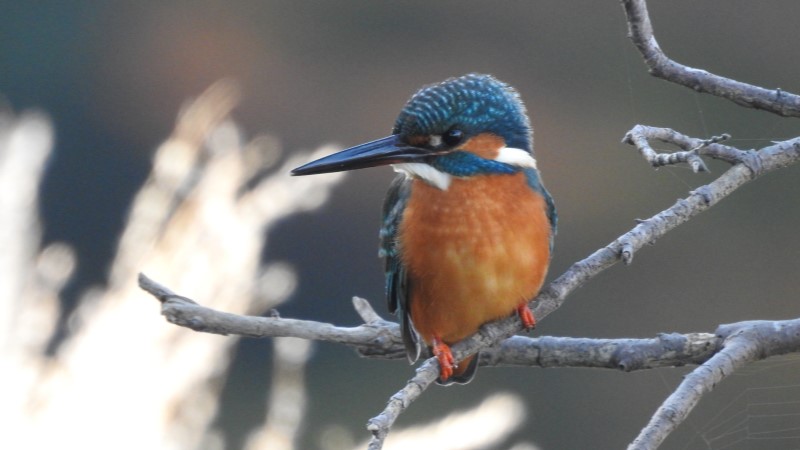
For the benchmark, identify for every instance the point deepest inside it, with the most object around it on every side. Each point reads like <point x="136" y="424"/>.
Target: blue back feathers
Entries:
<point x="474" y="104"/>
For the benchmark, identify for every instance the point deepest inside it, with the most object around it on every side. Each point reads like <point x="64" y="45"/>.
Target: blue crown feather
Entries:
<point x="473" y="103"/>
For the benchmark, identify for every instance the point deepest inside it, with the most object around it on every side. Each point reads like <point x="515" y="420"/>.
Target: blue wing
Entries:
<point x="397" y="282"/>
<point x="535" y="182"/>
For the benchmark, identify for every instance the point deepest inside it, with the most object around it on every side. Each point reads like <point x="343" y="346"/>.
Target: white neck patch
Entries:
<point x="516" y="157"/>
<point x="428" y="173"/>
<point x="508" y="155"/>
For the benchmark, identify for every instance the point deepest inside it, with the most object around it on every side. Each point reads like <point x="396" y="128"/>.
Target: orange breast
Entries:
<point x="473" y="252"/>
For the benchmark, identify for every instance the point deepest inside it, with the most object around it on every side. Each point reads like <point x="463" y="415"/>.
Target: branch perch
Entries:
<point x="645" y="232"/>
<point x="379" y="338"/>
<point x="640" y="31"/>
<point x="749" y="165"/>
<point x="185" y="312"/>
<point x="372" y="338"/>
<point x="720" y="354"/>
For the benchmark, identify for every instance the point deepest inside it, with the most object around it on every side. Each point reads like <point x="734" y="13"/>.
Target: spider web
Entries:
<point x="752" y="409"/>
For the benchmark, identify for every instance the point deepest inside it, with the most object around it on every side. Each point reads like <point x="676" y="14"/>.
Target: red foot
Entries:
<point x="526" y="316"/>
<point x="445" y="358"/>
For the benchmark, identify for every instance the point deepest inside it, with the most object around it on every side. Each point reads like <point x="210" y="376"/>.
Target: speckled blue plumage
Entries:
<point x="474" y="103"/>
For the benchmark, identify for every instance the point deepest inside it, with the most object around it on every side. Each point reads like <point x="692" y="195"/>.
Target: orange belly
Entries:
<point x="473" y="252"/>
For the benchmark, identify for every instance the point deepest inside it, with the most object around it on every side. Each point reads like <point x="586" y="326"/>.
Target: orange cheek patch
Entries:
<point x="485" y="145"/>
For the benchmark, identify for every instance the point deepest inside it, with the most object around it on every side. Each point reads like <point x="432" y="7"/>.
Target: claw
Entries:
<point x="526" y="316"/>
<point x="445" y="358"/>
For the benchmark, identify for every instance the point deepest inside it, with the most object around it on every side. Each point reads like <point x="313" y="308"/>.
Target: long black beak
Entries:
<point x="388" y="150"/>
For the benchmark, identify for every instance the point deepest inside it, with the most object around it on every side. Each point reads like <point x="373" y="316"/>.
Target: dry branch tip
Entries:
<point x="159" y="291"/>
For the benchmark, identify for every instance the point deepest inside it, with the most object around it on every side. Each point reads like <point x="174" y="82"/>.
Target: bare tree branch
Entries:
<point x="748" y="165"/>
<point x="187" y="313"/>
<point x="640" y="30"/>
<point x="720" y="354"/>
<point x="646" y="232"/>
<point x="664" y="350"/>
<point x="379" y="338"/>
<point x="743" y="343"/>
<point x="399" y="402"/>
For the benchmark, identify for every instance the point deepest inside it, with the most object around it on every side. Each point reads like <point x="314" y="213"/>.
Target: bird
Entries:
<point x="468" y="225"/>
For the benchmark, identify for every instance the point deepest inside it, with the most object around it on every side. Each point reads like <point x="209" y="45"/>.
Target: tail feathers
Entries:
<point x="463" y="373"/>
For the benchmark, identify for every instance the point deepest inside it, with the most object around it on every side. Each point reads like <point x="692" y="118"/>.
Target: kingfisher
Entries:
<point x="468" y="226"/>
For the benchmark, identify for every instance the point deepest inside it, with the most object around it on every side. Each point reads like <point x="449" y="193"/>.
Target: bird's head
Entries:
<point x="461" y="127"/>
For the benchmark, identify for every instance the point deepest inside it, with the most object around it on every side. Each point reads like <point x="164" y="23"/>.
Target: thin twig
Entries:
<point x="399" y="402"/>
<point x="187" y="313"/>
<point x="640" y="30"/>
<point x="640" y="135"/>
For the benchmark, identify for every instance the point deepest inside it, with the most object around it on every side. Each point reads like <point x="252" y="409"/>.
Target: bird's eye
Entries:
<point x="453" y="137"/>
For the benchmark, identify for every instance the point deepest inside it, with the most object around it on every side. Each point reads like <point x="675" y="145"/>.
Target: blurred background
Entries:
<point x="112" y="76"/>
